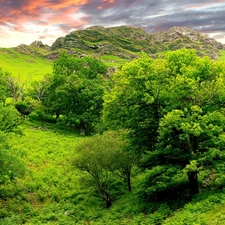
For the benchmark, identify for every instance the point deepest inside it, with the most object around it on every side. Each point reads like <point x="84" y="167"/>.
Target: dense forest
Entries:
<point x="142" y="145"/>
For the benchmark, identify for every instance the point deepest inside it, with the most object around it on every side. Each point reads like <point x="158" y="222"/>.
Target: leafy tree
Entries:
<point x="173" y="108"/>
<point x="38" y="89"/>
<point x="24" y="107"/>
<point x="102" y="157"/>
<point x="15" y="88"/>
<point x="75" y="89"/>
<point x="9" y="119"/>
<point x="10" y="165"/>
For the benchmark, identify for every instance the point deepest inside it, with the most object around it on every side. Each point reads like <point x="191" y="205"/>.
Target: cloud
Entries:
<point x="54" y="18"/>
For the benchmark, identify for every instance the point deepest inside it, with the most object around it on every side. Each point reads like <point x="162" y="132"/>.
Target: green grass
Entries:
<point x="222" y="55"/>
<point x="111" y="60"/>
<point x="49" y="180"/>
<point x="53" y="192"/>
<point x="24" y="67"/>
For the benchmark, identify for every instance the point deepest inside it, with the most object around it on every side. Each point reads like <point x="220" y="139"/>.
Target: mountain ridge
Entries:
<point x="125" y="42"/>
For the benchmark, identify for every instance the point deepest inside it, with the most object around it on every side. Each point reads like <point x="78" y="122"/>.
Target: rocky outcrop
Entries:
<point x="180" y="37"/>
<point x="125" y="42"/>
<point x="36" y="47"/>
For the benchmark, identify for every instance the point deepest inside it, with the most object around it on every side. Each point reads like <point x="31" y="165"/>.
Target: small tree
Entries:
<point x="15" y="88"/>
<point x="101" y="156"/>
<point x="10" y="165"/>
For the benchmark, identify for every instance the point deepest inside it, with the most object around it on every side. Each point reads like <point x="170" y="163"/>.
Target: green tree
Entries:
<point x="10" y="165"/>
<point x="15" y="88"/>
<point x="75" y="89"/>
<point x="170" y="107"/>
<point x="102" y="157"/>
<point x="3" y="89"/>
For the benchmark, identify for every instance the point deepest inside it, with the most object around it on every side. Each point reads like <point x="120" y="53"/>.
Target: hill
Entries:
<point x="128" y="42"/>
<point x="24" y="66"/>
<point x="114" y="46"/>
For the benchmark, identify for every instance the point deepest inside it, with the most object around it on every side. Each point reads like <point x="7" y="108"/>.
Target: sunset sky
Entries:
<point x="24" y="21"/>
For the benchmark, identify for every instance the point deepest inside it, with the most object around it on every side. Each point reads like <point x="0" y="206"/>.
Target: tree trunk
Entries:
<point x="106" y="197"/>
<point x="193" y="181"/>
<point x="128" y="181"/>
<point x="108" y="202"/>
<point x="56" y="116"/>
<point x="82" y="128"/>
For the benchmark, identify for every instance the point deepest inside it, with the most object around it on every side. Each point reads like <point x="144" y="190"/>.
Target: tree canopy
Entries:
<point x="173" y="108"/>
<point x="75" y="89"/>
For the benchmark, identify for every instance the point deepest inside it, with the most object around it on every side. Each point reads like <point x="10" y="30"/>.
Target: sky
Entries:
<point x="24" y="21"/>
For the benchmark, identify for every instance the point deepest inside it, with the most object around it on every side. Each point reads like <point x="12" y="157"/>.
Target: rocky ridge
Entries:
<point x="125" y="42"/>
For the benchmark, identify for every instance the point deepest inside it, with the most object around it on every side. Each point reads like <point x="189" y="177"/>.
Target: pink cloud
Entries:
<point x="31" y="11"/>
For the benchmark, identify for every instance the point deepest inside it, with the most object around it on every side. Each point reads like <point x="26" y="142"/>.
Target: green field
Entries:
<point x="24" y="67"/>
<point x="222" y="55"/>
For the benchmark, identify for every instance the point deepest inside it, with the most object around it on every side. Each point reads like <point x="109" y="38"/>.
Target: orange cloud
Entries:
<point x="42" y="13"/>
<point x="108" y="1"/>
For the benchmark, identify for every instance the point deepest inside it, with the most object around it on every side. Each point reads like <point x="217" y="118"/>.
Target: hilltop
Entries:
<point x="125" y="42"/>
<point x="114" y="46"/>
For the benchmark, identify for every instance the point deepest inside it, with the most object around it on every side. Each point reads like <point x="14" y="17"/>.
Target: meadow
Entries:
<point x="25" y="68"/>
<point x="53" y="192"/>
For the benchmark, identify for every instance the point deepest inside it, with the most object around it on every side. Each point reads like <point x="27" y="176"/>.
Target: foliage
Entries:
<point x="10" y="166"/>
<point x="2" y="87"/>
<point x="101" y="156"/>
<point x="173" y="108"/>
<point x="9" y="119"/>
<point x="75" y="89"/>
<point x="14" y="87"/>
<point x="24" y="107"/>
<point x="173" y="112"/>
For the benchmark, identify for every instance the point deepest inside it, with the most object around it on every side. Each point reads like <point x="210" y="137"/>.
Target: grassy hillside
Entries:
<point x="222" y="55"/>
<point x="52" y="192"/>
<point x="26" y="67"/>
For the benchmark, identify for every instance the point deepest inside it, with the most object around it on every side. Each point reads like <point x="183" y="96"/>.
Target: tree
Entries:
<point x="9" y="119"/>
<point x="38" y="89"/>
<point x="15" y="88"/>
<point x="102" y="157"/>
<point x="75" y="89"/>
<point x="2" y="87"/>
<point x="10" y="165"/>
<point x="173" y="108"/>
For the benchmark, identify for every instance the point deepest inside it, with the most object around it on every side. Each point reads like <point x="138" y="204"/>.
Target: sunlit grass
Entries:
<point x="26" y="68"/>
<point x="222" y="55"/>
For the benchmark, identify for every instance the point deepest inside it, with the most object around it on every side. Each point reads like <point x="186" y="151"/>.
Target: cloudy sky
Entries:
<point x="24" y="21"/>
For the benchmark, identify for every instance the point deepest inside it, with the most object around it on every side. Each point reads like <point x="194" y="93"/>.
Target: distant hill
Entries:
<point x="127" y="42"/>
<point x="114" y="45"/>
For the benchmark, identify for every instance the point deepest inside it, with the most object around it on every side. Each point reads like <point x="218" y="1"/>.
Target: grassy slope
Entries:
<point x="222" y="55"/>
<point x="51" y="191"/>
<point x="48" y="180"/>
<point x="24" y="67"/>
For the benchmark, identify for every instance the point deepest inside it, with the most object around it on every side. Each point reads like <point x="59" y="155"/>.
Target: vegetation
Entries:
<point x="24" y="67"/>
<point x="144" y="145"/>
